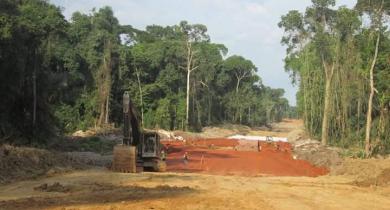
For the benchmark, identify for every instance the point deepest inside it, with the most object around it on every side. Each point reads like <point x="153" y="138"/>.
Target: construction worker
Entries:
<point x="163" y="155"/>
<point x="258" y="146"/>
<point x="185" y="158"/>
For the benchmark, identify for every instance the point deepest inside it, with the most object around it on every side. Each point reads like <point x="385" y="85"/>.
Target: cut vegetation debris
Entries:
<point x="317" y="154"/>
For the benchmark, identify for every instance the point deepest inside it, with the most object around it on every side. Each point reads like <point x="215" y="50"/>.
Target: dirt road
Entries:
<point x="101" y="189"/>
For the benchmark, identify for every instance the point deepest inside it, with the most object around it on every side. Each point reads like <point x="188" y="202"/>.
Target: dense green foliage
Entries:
<point x="330" y="53"/>
<point x="59" y="76"/>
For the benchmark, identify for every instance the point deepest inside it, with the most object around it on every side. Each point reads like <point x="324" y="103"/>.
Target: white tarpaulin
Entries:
<point x="258" y="138"/>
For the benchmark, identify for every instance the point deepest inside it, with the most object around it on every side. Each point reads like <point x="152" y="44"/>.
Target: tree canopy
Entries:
<point x="342" y="67"/>
<point x="59" y="76"/>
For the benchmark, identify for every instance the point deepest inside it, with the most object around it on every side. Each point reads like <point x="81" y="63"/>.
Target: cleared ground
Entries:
<point x="101" y="189"/>
<point x="248" y="183"/>
<point x="233" y="157"/>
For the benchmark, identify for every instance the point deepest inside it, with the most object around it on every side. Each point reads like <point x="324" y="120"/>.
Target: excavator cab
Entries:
<point x="151" y="145"/>
<point x="151" y="152"/>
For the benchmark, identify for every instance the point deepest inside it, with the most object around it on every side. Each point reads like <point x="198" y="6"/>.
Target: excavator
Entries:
<point x="150" y="154"/>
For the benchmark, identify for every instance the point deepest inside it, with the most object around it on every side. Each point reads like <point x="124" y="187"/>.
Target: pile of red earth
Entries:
<point x="213" y="156"/>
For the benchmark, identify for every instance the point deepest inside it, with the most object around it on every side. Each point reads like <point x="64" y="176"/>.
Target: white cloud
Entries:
<point x="256" y="8"/>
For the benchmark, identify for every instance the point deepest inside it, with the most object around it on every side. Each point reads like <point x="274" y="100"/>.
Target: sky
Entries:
<point x="246" y="27"/>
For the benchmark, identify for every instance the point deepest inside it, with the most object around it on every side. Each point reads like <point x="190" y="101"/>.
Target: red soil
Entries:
<point x="205" y="156"/>
<point x="213" y="142"/>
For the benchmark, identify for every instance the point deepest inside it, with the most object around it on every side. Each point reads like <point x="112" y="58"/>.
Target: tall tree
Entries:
<point x="240" y="70"/>
<point x="376" y="10"/>
<point x="192" y="34"/>
<point x="320" y="17"/>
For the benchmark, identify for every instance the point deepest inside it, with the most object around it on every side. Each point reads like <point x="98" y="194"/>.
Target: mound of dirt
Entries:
<point x="17" y="163"/>
<point x="56" y="187"/>
<point x="317" y="154"/>
<point x="217" y="132"/>
<point x="84" y="134"/>
<point x="224" y="130"/>
<point x="105" y="132"/>
<point x="296" y="135"/>
<point x="245" y="145"/>
<point x="185" y="135"/>
<point x="367" y="172"/>
<point x="287" y="125"/>
<point x="241" y="129"/>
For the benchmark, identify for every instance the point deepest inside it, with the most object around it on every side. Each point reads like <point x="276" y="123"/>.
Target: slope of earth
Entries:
<point x="18" y="163"/>
<point x="102" y="189"/>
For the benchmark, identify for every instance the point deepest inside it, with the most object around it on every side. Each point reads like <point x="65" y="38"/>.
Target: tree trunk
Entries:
<point x="140" y="96"/>
<point x="109" y="81"/>
<point x="305" y="112"/>
<point x="304" y="85"/>
<point x="34" y="77"/>
<point x="105" y="89"/>
<point x="268" y="116"/>
<point x="358" y="115"/>
<point x="102" y="113"/>
<point x="187" y="99"/>
<point x="209" y="111"/>
<point x="189" y="69"/>
<point x="107" y="118"/>
<point x="238" y="111"/>
<point x="193" y="94"/>
<point x="382" y="121"/>
<point x="372" y="92"/>
<point x="199" y="114"/>
<point x="325" y="120"/>
<point x="240" y="115"/>
<point x="249" y="116"/>
<point x="176" y="122"/>
<point x="238" y="84"/>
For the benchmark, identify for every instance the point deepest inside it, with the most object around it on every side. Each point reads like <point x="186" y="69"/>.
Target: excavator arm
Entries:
<point x="131" y="127"/>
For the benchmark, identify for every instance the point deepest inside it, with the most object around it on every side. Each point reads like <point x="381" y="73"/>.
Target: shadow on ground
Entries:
<point x="98" y="193"/>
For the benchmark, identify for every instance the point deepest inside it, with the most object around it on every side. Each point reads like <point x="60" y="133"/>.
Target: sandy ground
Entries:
<point x="102" y="189"/>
